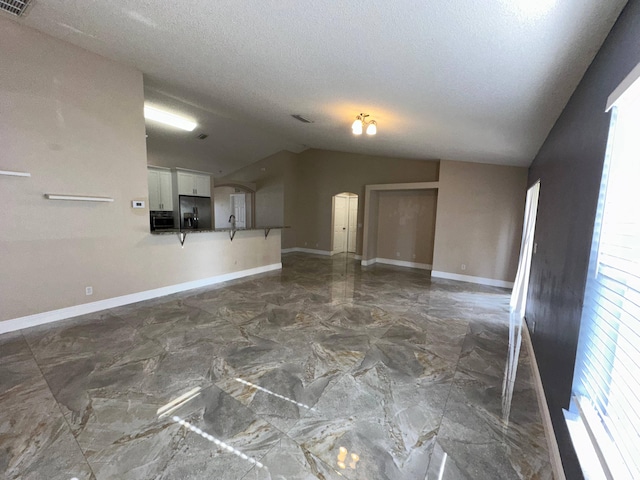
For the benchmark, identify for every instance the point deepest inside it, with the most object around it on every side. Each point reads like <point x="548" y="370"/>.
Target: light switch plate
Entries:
<point x="137" y="203"/>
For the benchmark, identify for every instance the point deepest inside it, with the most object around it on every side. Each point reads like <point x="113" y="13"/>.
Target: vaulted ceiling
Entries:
<point x="479" y="81"/>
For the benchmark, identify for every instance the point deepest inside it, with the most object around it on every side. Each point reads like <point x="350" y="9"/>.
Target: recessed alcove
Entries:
<point x="399" y="224"/>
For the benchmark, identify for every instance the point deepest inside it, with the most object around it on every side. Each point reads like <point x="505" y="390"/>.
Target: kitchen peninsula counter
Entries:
<point x="172" y="231"/>
<point x="182" y="234"/>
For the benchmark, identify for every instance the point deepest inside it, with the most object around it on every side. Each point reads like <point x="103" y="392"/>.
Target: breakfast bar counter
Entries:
<point x="182" y="234"/>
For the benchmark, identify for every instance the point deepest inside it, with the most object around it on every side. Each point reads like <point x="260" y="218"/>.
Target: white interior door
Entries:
<point x="527" y="249"/>
<point x="352" y="224"/>
<point x="340" y="219"/>
<point x="239" y="209"/>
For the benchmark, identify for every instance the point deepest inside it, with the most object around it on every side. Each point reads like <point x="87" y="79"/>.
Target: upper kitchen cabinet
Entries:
<point x="160" y="190"/>
<point x="190" y="183"/>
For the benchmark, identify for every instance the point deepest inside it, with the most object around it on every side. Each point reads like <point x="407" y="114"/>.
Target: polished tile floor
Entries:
<point x="324" y="370"/>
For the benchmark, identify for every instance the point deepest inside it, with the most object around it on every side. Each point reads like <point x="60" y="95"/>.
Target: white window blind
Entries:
<point x="607" y="372"/>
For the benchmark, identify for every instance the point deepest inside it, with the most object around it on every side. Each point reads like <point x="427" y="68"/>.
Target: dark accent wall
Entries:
<point x="569" y="166"/>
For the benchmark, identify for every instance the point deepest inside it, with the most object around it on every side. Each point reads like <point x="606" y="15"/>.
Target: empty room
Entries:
<point x="310" y="240"/>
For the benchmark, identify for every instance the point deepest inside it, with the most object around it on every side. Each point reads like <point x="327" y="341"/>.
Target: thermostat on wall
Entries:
<point x="137" y="203"/>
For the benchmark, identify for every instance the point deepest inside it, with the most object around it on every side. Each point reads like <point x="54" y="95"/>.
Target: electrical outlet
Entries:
<point x="88" y="291"/>
<point x="398" y="254"/>
<point x="137" y="203"/>
<point x="316" y="244"/>
<point x="463" y="267"/>
<point x="305" y="244"/>
<point x="535" y="247"/>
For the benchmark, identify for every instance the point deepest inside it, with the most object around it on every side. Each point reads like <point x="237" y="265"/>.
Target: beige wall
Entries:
<point x="322" y="174"/>
<point x="74" y="120"/>
<point x="297" y="189"/>
<point x="406" y="225"/>
<point x="478" y="222"/>
<point x="479" y="219"/>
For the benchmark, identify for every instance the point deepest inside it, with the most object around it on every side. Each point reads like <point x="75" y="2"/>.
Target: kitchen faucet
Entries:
<point x="232" y="221"/>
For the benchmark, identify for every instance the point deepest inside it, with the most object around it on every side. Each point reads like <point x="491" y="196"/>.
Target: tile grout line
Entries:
<point x="344" y="374"/>
<point x="446" y="403"/>
<point x="64" y="417"/>
<point x="286" y="433"/>
<point x="211" y="384"/>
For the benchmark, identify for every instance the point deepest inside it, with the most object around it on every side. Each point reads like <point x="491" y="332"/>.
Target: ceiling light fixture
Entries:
<point x="360" y="122"/>
<point x="151" y="113"/>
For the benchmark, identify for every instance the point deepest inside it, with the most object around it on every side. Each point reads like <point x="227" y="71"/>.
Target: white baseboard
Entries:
<point x="63" y="313"/>
<point x="336" y="252"/>
<point x="315" y="252"/>
<point x="307" y="250"/>
<point x="471" y="279"/>
<point x="397" y="263"/>
<point x="552" y="443"/>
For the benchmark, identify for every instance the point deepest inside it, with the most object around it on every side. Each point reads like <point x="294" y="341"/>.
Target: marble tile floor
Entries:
<point x="324" y="370"/>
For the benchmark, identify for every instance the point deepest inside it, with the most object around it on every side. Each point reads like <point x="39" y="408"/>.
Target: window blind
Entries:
<point x="607" y="372"/>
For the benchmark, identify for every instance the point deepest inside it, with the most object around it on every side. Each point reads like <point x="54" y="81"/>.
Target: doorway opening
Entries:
<point x="344" y="224"/>
<point x="527" y="248"/>
<point x="518" y="303"/>
<point x="233" y="206"/>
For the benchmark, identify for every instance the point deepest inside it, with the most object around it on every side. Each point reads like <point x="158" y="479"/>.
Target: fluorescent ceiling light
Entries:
<point x="151" y="113"/>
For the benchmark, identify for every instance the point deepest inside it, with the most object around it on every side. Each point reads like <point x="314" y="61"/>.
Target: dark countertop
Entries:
<point x="173" y="231"/>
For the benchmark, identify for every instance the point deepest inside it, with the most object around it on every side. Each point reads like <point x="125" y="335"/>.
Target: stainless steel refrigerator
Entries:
<point x="195" y="213"/>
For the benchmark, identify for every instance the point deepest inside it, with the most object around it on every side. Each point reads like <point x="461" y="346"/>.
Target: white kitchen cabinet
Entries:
<point x="185" y="183"/>
<point x="203" y="185"/>
<point x="193" y="184"/>
<point x="160" y="190"/>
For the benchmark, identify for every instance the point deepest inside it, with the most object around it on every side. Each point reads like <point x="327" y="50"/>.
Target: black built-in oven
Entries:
<point x="161" y="220"/>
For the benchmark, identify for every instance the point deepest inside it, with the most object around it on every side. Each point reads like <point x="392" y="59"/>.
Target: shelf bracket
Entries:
<point x="232" y="233"/>
<point x="182" y="236"/>
<point x="266" y="232"/>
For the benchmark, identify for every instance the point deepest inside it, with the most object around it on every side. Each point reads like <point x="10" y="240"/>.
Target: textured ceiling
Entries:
<point x="472" y="80"/>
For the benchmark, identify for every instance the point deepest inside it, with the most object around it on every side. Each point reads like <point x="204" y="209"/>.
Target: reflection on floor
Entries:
<point x="324" y="370"/>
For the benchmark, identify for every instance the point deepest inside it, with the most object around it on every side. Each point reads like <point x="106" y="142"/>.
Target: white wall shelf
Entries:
<point x="9" y="173"/>
<point x="82" y="198"/>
